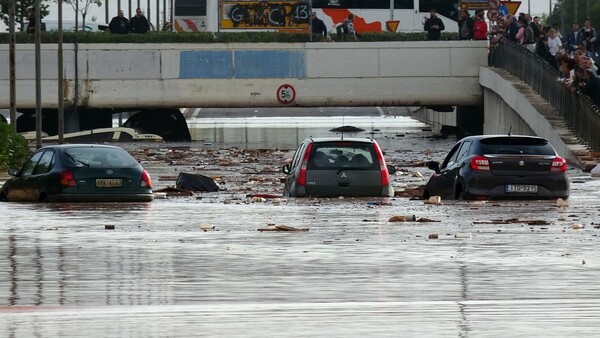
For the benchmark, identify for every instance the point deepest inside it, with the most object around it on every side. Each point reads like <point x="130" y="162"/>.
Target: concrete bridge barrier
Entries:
<point x="252" y="75"/>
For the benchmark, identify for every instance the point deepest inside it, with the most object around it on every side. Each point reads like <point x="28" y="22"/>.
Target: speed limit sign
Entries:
<point x="286" y="94"/>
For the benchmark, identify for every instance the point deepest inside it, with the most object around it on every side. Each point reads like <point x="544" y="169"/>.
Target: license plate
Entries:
<point x="522" y="188"/>
<point x="109" y="182"/>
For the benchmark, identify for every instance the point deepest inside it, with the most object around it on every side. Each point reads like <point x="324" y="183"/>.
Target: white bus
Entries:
<point x="286" y="15"/>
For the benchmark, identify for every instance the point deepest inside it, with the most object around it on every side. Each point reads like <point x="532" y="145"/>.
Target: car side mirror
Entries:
<point x="13" y="172"/>
<point x="433" y="165"/>
<point x="286" y="169"/>
<point x="391" y="169"/>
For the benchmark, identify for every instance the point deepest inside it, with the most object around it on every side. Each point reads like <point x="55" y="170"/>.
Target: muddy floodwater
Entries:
<point x="204" y="265"/>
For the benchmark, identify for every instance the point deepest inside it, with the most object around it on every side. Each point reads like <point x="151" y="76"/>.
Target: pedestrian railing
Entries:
<point x="578" y="111"/>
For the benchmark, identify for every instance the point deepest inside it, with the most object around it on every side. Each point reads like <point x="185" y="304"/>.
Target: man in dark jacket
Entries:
<point x="512" y="28"/>
<point x="319" y="30"/>
<point x="31" y="24"/>
<point x="119" y="24"/>
<point x="465" y="26"/>
<point x="139" y="23"/>
<point x="434" y="26"/>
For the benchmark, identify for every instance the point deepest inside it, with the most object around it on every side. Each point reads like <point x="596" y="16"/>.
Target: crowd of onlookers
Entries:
<point x="574" y="55"/>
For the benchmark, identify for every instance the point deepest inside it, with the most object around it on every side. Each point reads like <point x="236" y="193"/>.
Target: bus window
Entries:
<point x="445" y="8"/>
<point x="363" y="4"/>
<point x="189" y="8"/>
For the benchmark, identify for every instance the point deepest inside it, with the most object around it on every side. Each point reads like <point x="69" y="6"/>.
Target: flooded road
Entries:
<point x="199" y="266"/>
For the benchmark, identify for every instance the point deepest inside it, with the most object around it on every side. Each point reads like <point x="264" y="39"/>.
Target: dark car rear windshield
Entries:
<point x="98" y="157"/>
<point x="516" y="145"/>
<point x="348" y="155"/>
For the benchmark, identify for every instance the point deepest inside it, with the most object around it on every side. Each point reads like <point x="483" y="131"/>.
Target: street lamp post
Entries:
<point x="61" y="92"/>
<point x="38" y="76"/>
<point x="12" y="58"/>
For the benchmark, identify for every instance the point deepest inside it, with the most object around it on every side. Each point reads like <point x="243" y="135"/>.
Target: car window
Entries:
<point x="347" y="155"/>
<point x="516" y="145"/>
<point x="298" y="155"/>
<point x="464" y="150"/>
<point x="98" y="157"/>
<point x="45" y="164"/>
<point x="30" y="165"/>
<point x="451" y="157"/>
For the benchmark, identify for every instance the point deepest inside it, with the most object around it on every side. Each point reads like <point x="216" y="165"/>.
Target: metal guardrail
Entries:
<point x="578" y="111"/>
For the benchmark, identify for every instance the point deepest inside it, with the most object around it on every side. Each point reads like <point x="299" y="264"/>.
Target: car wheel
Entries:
<point x="426" y="195"/>
<point x="2" y="197"/>
<point x="43" y="197"/>
<point x="460" y="193"/>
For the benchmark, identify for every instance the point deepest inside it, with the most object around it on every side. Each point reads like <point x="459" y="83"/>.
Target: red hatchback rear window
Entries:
<point x="347" y="155"/>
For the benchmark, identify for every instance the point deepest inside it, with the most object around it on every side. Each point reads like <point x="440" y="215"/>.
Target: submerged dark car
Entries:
<point x="499" y="166"/>
<point x="79" y="173"/>
<point x="329" y="167"/>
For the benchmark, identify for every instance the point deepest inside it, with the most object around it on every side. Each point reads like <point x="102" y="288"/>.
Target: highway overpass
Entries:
<point x="251" y="74"/>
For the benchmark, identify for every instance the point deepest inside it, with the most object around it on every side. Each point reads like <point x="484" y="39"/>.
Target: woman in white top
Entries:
<point x="554" y="44"/>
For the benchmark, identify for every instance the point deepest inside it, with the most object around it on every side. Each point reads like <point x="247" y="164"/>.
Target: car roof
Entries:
<point x="484" y="137"/>
<point x="79" y="145"/>
<point x="339" y="139"/>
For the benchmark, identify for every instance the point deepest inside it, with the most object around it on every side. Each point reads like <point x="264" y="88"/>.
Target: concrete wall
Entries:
<point x="506" y="106"/>
<point x="434" y="118"/>
<point x="249" y="75"/>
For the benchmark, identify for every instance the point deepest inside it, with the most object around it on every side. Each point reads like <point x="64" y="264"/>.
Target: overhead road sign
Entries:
<point x="511" y="6"/>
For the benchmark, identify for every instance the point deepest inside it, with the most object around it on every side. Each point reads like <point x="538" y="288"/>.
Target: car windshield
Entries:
<point x="516" y="145"/>
<point x="98" y="157"/>
<point x="347" y="155"/>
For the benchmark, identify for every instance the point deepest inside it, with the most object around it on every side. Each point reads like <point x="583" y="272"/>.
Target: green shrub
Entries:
<point x="14" y="150"/>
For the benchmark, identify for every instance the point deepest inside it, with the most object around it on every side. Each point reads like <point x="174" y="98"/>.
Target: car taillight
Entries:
<point x="480" y="163"/>
<point x="67" y="179"/>
<point x="302" y="175"/>
<point x="146" y="181"/>
<point x="559" y="164"/>
<point x="383" y="170"/>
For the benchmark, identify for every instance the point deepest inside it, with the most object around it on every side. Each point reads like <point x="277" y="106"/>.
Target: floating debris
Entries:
<point x="282" y="228"/>
<point x="436" y="200"/>
<point x="207" y="227"/>
<point x="562" y="203"/>
<point x="173" y="191"/>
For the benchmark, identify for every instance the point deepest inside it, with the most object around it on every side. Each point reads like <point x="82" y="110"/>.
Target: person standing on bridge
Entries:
<point x="433" y="26"/>
<point x="119" y="24"/>
<point x="139" y="23"/>
<point x="319" y="30"/>
<point x="480" y="28"/>
<point x="465" y="26"/>
<point x="31" y="19"/>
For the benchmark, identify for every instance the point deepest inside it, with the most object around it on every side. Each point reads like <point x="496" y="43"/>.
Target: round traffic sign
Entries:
<point x="286" y="94"/>
<point x="493" y="15"/>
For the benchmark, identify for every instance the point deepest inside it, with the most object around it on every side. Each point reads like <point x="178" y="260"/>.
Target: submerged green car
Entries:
<point x="79" y="173"/>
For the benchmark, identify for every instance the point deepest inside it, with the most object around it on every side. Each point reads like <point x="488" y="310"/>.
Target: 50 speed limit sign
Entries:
<point x="286" y="94"/>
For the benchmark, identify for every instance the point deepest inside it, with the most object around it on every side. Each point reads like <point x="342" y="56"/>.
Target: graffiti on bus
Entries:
<point x="265" y="15"/>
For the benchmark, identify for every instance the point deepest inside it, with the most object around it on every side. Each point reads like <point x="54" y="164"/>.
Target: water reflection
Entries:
<point x="63" y="273"/>
<point x="264" y="133"/>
